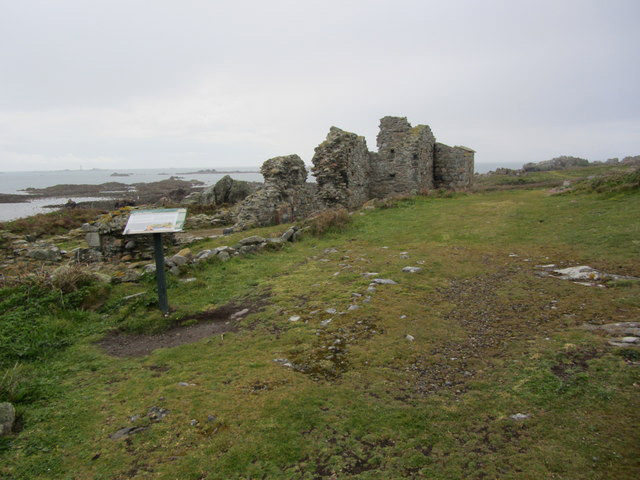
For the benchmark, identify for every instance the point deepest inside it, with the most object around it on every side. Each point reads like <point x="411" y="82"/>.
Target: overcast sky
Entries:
<point x="161" y="83"/>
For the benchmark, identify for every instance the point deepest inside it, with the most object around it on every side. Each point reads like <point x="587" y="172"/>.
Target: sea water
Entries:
<point x="17" y="182"/>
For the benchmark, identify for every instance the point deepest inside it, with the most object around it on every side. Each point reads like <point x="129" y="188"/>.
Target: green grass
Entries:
<point x="491" y="339"/>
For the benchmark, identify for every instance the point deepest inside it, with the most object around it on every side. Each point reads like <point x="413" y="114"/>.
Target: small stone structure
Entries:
<point x="452" y="166"/>
<point x="408" y="161"/>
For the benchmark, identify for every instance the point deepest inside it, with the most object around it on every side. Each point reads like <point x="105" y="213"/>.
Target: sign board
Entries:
<point x="162" y="220"/>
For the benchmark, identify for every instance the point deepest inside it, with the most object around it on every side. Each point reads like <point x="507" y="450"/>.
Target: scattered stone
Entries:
<point x="294" y="318"/>
<point x="253" y="240"/>
<point x="411" y="338"/>
<point x="188" y="280"/>
<point x="353" y="307"/>
<point x="331" y="311"/>
<point x="239" y="314"/>
<point x="92" y="239"/>
<point x="178" y="260"/>
<point x="630" y="340"/>
<point x="520" y="416"/>
<point x="384" y="281"/>
<point x="150" y="268"/>
<point x="124" y="432"/>
<point x="354" y="294"/>
<point x="7" y="418"/>
<point x="284" y="362"/>
<point x="193" y="422"/>
<point x="86" y="255"/>
<point x="224" y="256"/>
<point x="326" y="322"/>
<point x="157" y="413"/>
<point x="370" y="274"/>
<point x="367" y="299"/>
<point x="49" y="254"/>
<point x="411" y="269"/>
<point x="185" y="384"/>
<point x="585" y="272"/>
<point x="135" y="295"/>
<point x="204" y="254"/>
<point x="619" y="329"/>
<point x="402" y="317"/>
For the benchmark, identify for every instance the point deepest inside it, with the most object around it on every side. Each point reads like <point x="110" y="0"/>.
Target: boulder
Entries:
<point x="48" y="254"/>
<point x="226" y="190"/>
<point x="252" y="240"/>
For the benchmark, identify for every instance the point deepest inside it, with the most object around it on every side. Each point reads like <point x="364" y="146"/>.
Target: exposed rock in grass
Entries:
<point x="411" y="269"/>
<point x="384" y="281"/>
<point x="7" y="418"/>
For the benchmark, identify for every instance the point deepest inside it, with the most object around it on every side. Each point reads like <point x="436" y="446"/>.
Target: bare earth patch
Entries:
<point x="214" y="322"/>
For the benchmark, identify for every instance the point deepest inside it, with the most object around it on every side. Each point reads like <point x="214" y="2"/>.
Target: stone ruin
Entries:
<point x="408" y="161"/>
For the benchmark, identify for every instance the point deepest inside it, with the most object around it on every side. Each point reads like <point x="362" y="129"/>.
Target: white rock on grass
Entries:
<point x="294" y="318"/>
<point x="411" y="269"/>
<point x="384" y="281"/>
<point x="582" y="272"/>
<point x="411" y="338"/>
<point x="520" y="416"/>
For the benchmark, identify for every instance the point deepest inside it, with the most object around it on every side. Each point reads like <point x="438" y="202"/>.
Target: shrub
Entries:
<point x="70" y="278"/>
<point x="53" y="223"/>
<point x="618" y="182"/>
<point x="334" y="219"/>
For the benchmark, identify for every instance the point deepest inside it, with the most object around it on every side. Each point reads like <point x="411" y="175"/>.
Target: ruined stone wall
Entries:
<point x="285" y="196"/>
<point x="452" y="166"/>
<point x="342" y="169"/>
<point x="408" y="161"/>
<point x="404" y="162"/>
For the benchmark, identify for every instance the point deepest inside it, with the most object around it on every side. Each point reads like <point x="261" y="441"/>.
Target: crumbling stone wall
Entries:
<point x="408" y="161"/>
<point x="285" y="196"/>
<point x="342" y="169"/>
<point x="452" y="166"/>
<point x="404" y="162"/>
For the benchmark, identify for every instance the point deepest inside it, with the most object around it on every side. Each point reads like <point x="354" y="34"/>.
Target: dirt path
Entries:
<point x="216" y="322"/>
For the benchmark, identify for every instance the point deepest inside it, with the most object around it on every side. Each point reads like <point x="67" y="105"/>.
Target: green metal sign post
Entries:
<point x="163" y="302"/>
<point x="157" y="222"/>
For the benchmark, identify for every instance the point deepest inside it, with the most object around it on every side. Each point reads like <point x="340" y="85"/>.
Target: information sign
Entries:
<point x="157" y="222"/>
<point x="162" y="220"/>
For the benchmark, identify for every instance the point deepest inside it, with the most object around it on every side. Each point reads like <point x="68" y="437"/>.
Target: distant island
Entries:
<point x="210" y="171"/>
<point x="116" y="174"/>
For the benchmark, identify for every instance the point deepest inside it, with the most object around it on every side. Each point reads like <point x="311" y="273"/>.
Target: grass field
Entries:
<point x="420" y="380"/>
